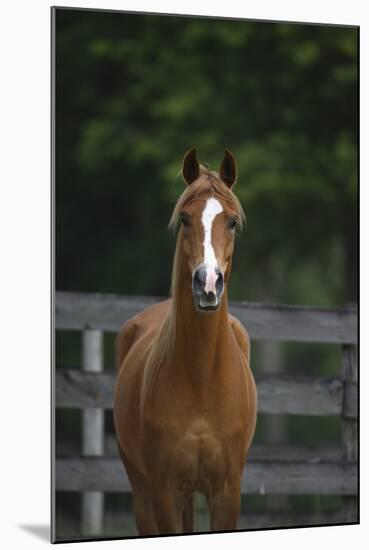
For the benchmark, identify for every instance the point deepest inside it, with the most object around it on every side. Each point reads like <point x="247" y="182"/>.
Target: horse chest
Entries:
<point x="196" y="434"/>
<point x="202" y="457"/>
<point x="198" y="458"/>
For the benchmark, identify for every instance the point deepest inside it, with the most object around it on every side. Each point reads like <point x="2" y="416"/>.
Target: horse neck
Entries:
<point x="200" y="339"/>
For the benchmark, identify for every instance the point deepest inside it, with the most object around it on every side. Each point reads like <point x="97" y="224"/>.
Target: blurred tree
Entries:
<point x="135" y="92"/>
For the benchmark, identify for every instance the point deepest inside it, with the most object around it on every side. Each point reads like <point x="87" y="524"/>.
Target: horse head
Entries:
<point x="208" y="213"/>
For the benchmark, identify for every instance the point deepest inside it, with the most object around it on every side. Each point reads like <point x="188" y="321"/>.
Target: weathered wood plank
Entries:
<point x="108" y="312"/>
<point x="75" y="310"/>
<point x="350" y="406"/>
<point x="349" y="424"/>
<point x="276" y="395"/>
<point x="307" y="478"/>
<point x="76" y="389"/>
<point x="293" y="452"/>
<point x="287" y="395"/>
<point x="68" y="448"/>
<point x="260" y="477"/>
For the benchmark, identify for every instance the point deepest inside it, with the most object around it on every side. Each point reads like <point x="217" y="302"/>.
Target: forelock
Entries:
<point x="210" y="182"/>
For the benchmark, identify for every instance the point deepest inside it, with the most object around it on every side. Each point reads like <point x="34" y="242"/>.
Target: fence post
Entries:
<point x="349" y="426"/>
<point x="92" y="511"/>
<point x="271" y="362"/>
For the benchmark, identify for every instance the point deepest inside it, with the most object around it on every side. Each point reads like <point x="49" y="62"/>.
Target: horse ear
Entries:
<point x="190" y="167"/>
<point x="228" y="169"/>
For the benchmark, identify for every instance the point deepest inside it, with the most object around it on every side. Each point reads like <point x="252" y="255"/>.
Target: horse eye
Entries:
<point x="232" y="223"/>
<point x="185" y="220"/>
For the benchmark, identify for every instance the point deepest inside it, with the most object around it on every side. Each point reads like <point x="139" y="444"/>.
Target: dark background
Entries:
<point x="133" y="93"/>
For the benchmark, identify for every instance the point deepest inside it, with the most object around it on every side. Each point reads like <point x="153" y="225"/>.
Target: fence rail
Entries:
<point x="282" y="477"/>
<point x="276" y="395"/>
<point x="107" y="312"/>
<point x="68" y="448"/>
<point x="327" y="470"/>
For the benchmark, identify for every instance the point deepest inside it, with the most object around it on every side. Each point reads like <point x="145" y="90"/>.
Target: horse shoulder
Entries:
<point x="243" y="341"/>
<point x="241" y="336"/>
<point x="145" y="322"/>
<point x="124" y="341"/>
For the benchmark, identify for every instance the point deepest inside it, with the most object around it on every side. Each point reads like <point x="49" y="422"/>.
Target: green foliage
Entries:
<point x="135" y="92"/>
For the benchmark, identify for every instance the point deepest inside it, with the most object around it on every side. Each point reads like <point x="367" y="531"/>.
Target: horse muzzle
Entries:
<point x="207" y="287"/>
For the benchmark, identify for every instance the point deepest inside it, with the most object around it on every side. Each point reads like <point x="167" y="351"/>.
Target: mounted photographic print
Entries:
<point x="205" y="184"/>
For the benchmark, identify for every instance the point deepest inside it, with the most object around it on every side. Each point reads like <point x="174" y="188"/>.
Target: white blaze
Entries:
<point x="212" y="209"/>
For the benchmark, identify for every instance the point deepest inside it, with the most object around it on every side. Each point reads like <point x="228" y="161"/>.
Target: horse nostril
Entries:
<point x="199" y="279"/>
<point x="219" y="283"/>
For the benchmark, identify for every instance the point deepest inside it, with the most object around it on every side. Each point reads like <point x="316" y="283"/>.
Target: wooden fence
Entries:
<point x="288" y="470"/>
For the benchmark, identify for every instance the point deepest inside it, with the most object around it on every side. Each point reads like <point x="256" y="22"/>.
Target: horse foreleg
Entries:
<point x="168" y="506"/>
<point x="143" y="509"/>
<point x="225" y="507"/>
<point x="142" y="506"/>
<point x="188" y="515"/>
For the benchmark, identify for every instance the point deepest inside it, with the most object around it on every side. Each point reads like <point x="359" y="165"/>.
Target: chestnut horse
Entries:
<point x="185" y="398"/>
